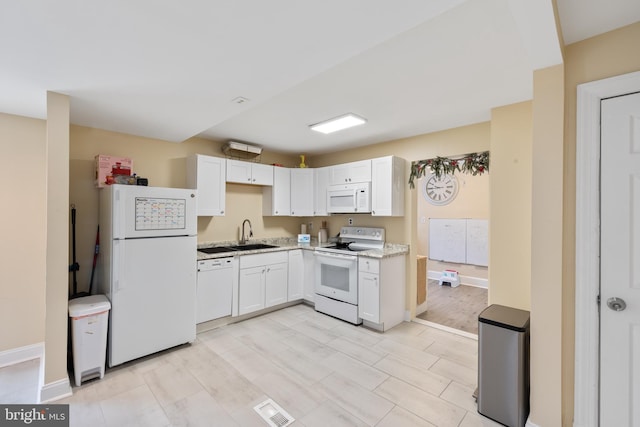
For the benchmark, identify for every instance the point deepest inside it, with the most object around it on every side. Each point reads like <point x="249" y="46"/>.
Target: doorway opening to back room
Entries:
<point x="452" y="262"/>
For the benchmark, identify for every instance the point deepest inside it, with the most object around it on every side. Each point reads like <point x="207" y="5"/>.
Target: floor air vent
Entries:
<point x="273" y="414"/>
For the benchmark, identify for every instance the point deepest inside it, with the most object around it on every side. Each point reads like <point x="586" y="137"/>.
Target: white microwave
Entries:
<point x="349" y="198"/>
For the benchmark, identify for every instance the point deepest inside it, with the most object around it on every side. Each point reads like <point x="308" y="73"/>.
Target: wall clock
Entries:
<point x="441" y="190"/>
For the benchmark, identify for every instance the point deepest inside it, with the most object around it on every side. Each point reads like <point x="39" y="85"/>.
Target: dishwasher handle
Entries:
<point x="214" y="264"/>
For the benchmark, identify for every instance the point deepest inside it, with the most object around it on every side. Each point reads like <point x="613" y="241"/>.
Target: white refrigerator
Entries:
<point x="148" y="268"/>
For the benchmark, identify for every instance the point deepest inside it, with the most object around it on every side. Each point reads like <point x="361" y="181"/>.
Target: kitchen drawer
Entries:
<point x="369" y="265"/>
<point x="249" y="261"/>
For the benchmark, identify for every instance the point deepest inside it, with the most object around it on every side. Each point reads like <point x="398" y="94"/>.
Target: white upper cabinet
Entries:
<point x="387" y="186"/>
<point x="276" y="200"/>
<point x="320" y="184"/>
<point x="302" y="194"/>
<point x="207" y="175"/>
<point x="249" y="173"/>
<point x="350" y="172"/>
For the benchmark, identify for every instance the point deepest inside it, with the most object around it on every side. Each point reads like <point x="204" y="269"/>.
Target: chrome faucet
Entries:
<point x="246" y="239"/>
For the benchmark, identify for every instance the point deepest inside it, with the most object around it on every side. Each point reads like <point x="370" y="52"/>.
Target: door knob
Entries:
<point x="616" y="304"/>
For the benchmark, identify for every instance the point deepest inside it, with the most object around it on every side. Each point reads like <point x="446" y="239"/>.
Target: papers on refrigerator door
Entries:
<point x="154" y="213"/>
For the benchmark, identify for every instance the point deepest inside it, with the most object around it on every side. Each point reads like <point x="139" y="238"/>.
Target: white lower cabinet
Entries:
<point x="251" y="289"/>
<point x="369" y="293"/>
<point x="381" y="291"/>
<point x="276" y="284"/>
<point x="263" y="281"/>
<point x="296" y="275"/>
<point x="309" y="288"/>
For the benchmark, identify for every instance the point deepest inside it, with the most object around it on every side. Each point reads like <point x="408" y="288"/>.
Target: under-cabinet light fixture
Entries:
<point x="338" y="123"/>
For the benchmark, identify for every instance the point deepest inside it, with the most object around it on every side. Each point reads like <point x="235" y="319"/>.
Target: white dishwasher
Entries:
<point x="215" y="288"/>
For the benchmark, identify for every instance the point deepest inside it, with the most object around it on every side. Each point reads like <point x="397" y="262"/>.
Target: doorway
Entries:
<point x="451" y="305"/>
<point x="587" y="405"/>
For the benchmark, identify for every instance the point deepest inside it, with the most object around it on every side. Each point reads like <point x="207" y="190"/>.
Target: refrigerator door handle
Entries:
<point x="119" y="214"/>
<point x="118" y="264"/>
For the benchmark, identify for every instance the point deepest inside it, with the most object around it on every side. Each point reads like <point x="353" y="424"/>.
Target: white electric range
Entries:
<point x="337" y="271"/>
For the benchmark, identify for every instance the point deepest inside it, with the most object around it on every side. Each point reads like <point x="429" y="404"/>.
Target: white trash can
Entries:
<point x="89" y="323"/>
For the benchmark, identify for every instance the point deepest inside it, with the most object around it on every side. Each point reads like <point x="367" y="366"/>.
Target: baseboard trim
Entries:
<point x="55" y="391"/>
<point x="21" y="354"/>
<point x="478" y="282"/>
<point x="421" y="308"/>
<point x="445" y="328"/>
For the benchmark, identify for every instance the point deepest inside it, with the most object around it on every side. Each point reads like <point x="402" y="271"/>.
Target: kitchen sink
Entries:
<point x="251" y="247"/>
<point x="217" y="250"/>
<point x="247" y="247"/>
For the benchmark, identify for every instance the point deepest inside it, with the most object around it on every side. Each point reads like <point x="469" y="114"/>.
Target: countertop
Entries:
<point x="287" y="244"/>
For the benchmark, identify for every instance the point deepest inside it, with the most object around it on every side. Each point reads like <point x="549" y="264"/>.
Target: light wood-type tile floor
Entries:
<point x="322" y="371"/>
<point x="457" y="308"/>
<point x="19" y="382"/>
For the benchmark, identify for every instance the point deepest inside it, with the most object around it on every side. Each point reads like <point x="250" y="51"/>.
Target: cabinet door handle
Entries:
<point x="221" y="211"/>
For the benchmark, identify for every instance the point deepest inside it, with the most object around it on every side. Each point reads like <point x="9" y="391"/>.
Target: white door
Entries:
<point x="261" y="174"/>
<point x="281" y="192"/>
<point x="211" y="185"/>
<point x="369" y="297"/>
<point x="620" y="262"/>
<point x="251" y="289"/>
<point x="302" y="194"/>
<point x="153" y="296"/>
<point x="320" y="184"/>
<point x="295" y="283"/>
<point x="275" y="285"/>
<point x="238" y="171"/>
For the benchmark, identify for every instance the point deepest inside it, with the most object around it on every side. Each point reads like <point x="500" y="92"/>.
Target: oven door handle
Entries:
<point x="332" y="255"/>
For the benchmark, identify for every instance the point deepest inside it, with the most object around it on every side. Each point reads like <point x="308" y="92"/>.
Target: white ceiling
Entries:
<point x="171" y="70"/>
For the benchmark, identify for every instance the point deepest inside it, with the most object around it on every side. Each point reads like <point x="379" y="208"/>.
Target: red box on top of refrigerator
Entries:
<point x="108" y="166"/>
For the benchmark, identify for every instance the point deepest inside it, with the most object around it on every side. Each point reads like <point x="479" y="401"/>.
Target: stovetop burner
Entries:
<point x="355" y="239"/>
<point x="340" y="245"/>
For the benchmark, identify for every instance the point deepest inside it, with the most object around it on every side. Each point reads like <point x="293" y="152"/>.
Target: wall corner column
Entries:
<point x="56" y="379"/>
<point x="546" y="247"/>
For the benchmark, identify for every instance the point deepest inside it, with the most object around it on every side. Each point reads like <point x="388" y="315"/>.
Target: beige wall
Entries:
<point x="164" y="164"/>
<point x="546" y="246"/>
<point x="23" y="247"/>
<point x="472" y="201"/>
<point x="510" y="205"/>
<point x="57" y="237"/>
<point x="607" y="55"/>
<point x="404" y="229"/>
<point x="23" y="227"/>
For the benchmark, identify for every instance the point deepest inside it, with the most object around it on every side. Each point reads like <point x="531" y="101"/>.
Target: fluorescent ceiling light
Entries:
<point x="338" y="123"/>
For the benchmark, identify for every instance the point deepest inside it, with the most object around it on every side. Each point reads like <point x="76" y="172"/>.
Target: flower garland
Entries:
<point x="473" y="163"/>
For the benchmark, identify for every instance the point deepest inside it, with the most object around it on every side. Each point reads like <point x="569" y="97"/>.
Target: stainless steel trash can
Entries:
<point x="503" y="365"/>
